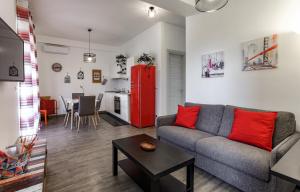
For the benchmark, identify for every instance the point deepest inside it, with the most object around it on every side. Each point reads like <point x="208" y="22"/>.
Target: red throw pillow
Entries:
<point x="253" y="128"/>
<point x="187" y="116"/>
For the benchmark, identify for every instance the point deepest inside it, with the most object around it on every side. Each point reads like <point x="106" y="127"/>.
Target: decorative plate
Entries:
<point x="56" y="67"/>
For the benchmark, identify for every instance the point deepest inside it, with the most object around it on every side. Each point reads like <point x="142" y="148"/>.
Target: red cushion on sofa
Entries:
<point x="253" y="128"/>
<point x="187" y="116"/>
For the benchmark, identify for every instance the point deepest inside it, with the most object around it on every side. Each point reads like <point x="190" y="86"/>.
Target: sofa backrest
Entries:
<point x="210" y="117"/>
<point x="284" y="127"/>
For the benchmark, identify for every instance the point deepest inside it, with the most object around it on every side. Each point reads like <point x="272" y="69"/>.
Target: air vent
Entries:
<point x="55" y="49"/>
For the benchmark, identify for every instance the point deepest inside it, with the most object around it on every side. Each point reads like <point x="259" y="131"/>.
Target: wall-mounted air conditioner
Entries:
<point x="55" y="49"/>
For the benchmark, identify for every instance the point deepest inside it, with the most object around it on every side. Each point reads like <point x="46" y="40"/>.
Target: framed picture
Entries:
<point x="260" y="54"/>
<point x="213" y="65"/>
<point x="96" y="74"/>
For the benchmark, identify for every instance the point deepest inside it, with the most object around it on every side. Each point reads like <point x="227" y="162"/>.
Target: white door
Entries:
<point x="175" y="82"/>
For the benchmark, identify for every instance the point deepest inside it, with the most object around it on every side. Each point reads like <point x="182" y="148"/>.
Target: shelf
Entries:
<point x="167" y="183"/>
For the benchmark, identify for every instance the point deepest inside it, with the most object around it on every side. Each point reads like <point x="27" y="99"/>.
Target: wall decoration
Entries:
<point x="96" y="74"/>
<point x="56" y="67"/>
<point x="213" y="65"/>
<point x="13" y="71"/>
<point x="121" y="62"/>
<point x="80" y="75"/>
<point x="67" y="78"/>
<point x="260" y="54"/>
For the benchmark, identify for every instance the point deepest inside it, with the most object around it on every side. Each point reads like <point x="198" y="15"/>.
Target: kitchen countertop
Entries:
<point x="118" y="92"/>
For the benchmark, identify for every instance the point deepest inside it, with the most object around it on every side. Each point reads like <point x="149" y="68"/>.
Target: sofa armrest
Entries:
<point x="165" y="120"/>
<point x="282" y="148"/>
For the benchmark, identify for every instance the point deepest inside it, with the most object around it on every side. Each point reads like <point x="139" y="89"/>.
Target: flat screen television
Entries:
<point x="11" y="54"/>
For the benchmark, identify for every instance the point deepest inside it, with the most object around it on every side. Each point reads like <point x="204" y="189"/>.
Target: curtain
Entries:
<point x="29" y="89"/>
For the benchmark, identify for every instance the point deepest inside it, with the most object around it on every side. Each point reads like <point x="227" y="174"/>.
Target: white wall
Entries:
<point x="149" y="41"/>
<point x="157" y="40"/>
<point x="240" y="21"/>
<point x="52" y="83"/>
<point x="173" y="40"/>
<point x="9" y="120"/>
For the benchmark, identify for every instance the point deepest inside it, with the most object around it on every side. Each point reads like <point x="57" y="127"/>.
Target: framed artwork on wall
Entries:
<point x="260" y="53"/>
<point x="213" y="65"/>
<point x="96" y="75"/>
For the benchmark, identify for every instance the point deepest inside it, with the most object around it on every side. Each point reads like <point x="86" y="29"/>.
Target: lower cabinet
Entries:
<point x="109" y="99"/>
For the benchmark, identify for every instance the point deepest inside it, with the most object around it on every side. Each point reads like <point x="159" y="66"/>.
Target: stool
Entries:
<point x="44" y="113"/>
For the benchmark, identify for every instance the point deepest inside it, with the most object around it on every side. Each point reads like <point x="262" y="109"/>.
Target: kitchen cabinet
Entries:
<point x="124" y="105"/>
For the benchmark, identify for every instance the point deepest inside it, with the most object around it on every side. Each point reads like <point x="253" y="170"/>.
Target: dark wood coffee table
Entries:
<point x="151" y="170"/>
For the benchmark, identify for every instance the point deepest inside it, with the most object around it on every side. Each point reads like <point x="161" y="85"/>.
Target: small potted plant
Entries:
<point x="146" y="59"/>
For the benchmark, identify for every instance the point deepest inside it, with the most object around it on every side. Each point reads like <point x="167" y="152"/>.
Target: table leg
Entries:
<point x="115" y="161"/>
<point x="190" y="178"/>
<point x="154" y="186"/>
<point x="72" y="116"/>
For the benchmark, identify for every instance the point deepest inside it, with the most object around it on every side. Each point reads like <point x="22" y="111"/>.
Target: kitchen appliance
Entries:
<point x="117" y="104"/>
<point x="11" y="54"/>
<point x="142" y="98"/>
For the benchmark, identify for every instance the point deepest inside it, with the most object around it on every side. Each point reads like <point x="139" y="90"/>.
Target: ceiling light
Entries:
<point x="210" y="5"/>
<point x="89" y="57"/>
<point x="151" y="12"/>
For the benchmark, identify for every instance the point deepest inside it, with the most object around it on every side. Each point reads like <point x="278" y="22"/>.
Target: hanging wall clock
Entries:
<point x="56" y="67"/>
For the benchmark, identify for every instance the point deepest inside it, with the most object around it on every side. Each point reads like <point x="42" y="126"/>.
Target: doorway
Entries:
<point x="175" y="80"/>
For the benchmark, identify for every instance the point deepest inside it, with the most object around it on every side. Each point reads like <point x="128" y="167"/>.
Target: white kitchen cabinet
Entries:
<point x="125" y="105"/>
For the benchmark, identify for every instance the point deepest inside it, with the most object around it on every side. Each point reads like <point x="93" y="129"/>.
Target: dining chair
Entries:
<point x="98" y="106"/>
<point x="67" y="111"/>
<point x="86" y="109"/>
<point x="77" y="95"/>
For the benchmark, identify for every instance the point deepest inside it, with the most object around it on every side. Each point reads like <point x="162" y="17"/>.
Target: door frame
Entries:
<point x="183" y="54"/>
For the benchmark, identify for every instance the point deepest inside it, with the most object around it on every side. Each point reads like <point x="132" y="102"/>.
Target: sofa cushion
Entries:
<point x="246" y="158"/>
<point x="285" y="124"/>
<point x="186" y="138"/>
<point x="253" y="128"/>
<point x="187" y="116"/>
<point x="210" y="117"/>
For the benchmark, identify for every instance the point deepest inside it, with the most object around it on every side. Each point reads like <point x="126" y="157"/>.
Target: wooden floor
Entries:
<point x="82" y="162"/>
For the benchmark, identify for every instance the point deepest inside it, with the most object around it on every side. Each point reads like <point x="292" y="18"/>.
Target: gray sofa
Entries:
<point x="244" y="166"/>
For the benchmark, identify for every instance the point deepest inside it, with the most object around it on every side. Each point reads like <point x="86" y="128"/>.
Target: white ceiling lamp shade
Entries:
<point x="89" y="57"/>
<point x="210" y="5"/>
<point x="152" y="12"/>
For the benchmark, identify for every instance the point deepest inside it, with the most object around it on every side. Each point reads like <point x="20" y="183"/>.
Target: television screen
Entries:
<point x="11" y="54"/>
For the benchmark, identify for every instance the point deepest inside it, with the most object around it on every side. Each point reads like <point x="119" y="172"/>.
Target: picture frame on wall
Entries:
<point x="96" y="75"/>
<point x="213" y="65"/>
<point x="261" y="53"/>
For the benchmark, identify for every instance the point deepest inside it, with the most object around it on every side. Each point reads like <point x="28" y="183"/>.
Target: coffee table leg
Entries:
<point x="190" y="178"/>
<point x="154" y="186"/>
<point x="115" y="161"/>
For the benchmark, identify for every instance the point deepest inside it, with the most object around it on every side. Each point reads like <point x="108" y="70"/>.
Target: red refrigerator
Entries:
<point x="142" y="100"/>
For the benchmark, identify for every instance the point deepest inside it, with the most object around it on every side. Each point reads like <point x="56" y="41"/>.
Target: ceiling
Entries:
<point x="113" y="21"/>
